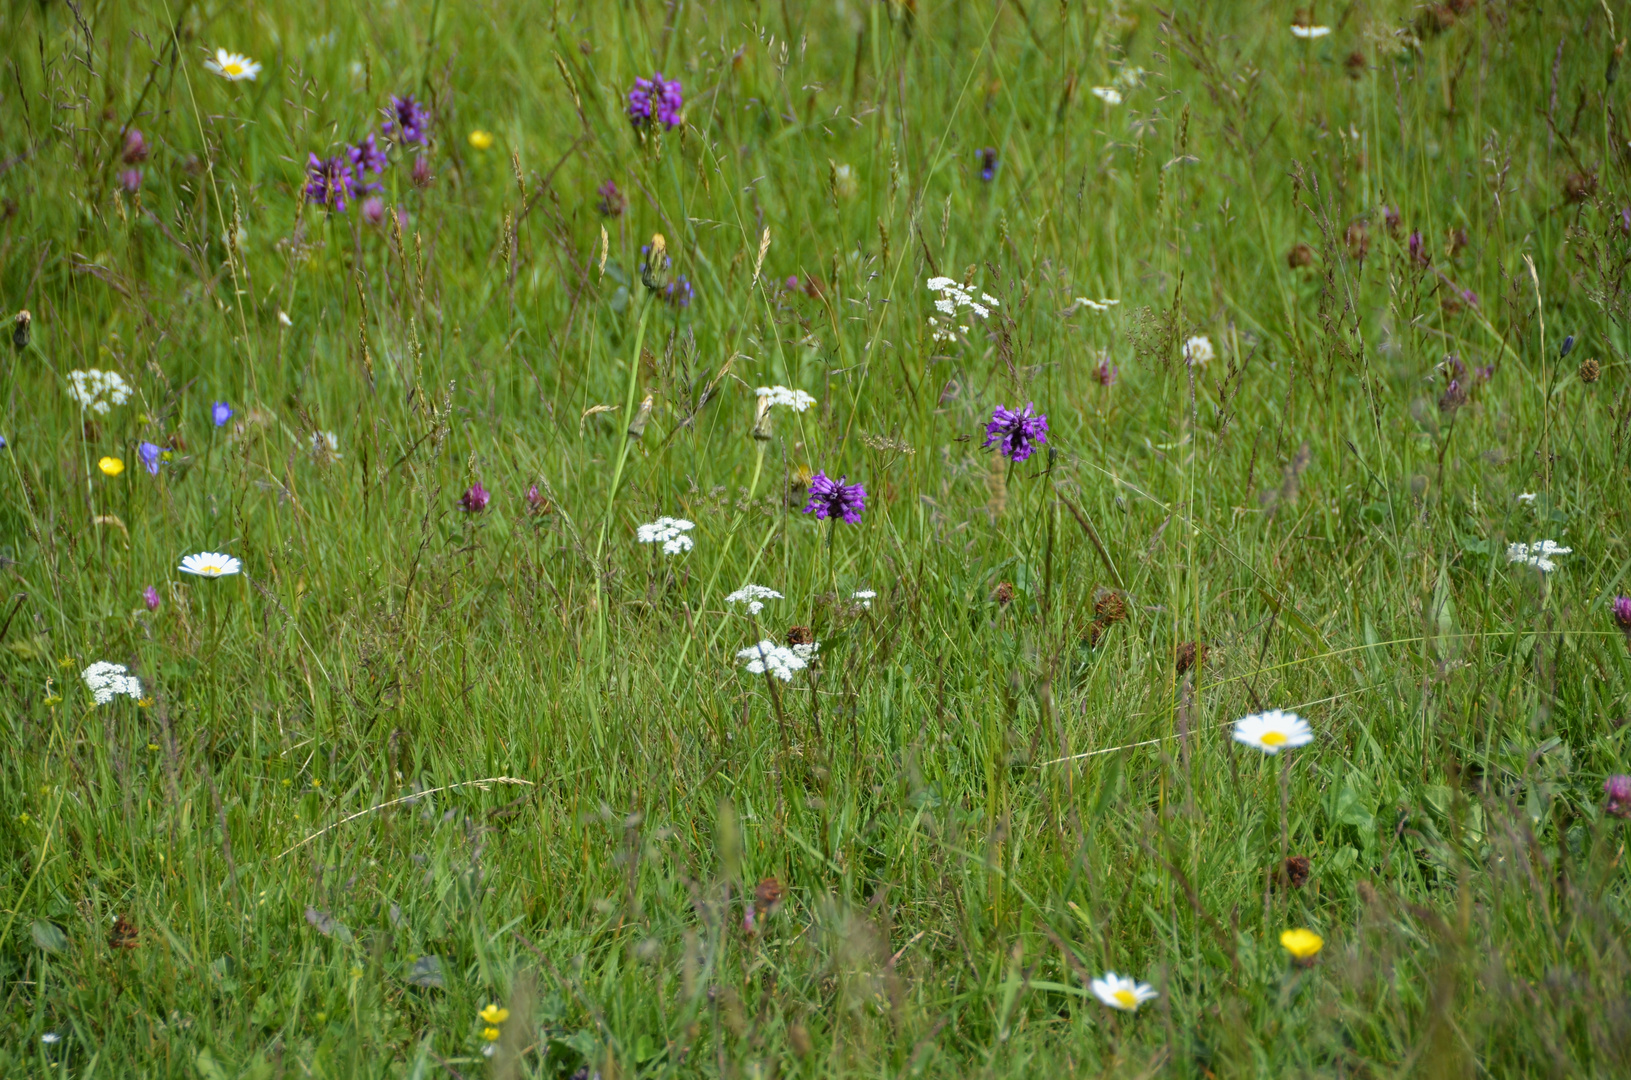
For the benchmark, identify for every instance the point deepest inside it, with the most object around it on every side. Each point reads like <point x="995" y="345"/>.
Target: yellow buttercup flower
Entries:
<point x="111" y="466"/>
<point x="480" y="139"/>
<point x="1301" y="944"/>
<point x="492" y="1015"/>
<point x="490" y="1034"/>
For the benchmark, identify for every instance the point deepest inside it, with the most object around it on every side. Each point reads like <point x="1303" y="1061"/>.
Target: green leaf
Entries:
<point x="208" y="1067"/>
<point x="49" y="936"/>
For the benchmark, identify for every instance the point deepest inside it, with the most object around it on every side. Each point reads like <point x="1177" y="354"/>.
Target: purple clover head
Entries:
<point x="1469" y="298"/>
<point x="1106" y="373"/>
<point x="131" y="181"/>
<point x="474" y="500"/>
<point x="612" y="201"/>
<point x="656" y="99"/>
<point x="367" y="157"/>
<point x="988" y="163"/>
<point x="421" y="175"/>
<point x="1017" y="434"/>
<point x="1622" y="612"/>
<point x="135" y="151"/>
<point x="407" y="120"/>
<point x="1618" y="790"/>
<point x="150" y="597"/>
<point x="220" y="413"/>
<point x="1418" y="251"/>
<point x="373" y="210"/>
<point x="151" y="455"/>
<point x="835" y="499"/>
<point x="330" y="181"/>
<point x="537" y="503"/>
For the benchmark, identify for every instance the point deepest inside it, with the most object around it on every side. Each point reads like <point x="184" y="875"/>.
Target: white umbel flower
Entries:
<point x="1273" y="731"/>
<point x="210" y="564"/>
<point x="669" y="532"/>
<point x="1122" y="992"/>
<point x="797" y="400"/>
<point x="1095" y="305"/>
<point x="754" y="597"/>
<point x="1309" y="33"/>
<point x="107" y="681"/>
<point x="98" y="390"/>
<point x="1539" y="554"/>
<point x="1198" y="350"/>
<point x="864" y="597"/>
<point x="779" y="660"/>
<point x="233" y="67"/>
<point x="1107" y="94"/>
<point x="954" y="297"/>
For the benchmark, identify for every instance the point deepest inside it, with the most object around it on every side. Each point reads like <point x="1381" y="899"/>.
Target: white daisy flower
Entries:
<point x="1539" y="554"/>
<point x="1107" y="94"/>
<point x="754" y="597"/>
<point x="779" y="660"/>
<point x="797" y="400"/>
<point x="1198" y="350"/>
<point x="1273" y="731"/>
<point x="669" y="532"/>
<point x="1122" y="992"/>
<point x="210" y="564"/>
<point x="864" y="596"/>
<point x="233" y="67"/>
<point x="1308" y="33"/>
<point x="107" y="681"/>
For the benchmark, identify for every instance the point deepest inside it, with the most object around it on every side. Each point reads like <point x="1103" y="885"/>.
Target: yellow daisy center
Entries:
<point x="232" y="67"/>
<point x="1274" y="738"/>
<point x="210" y="568"/>
<point x="1127" y="998"/>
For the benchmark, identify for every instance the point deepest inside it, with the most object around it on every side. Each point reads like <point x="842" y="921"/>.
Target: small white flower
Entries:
<point x="1198" y="350"/>
<point x="50" y="1038"/>
<point x="1130" y="76"/>
<point x="779" y="660"/>
<point x="210" y="564"/>
<point x="1273" y="731"/>
<point x="1527" y="497"/>
<point x="806" y="651"/>
<point x="1122" y="992"/>
<point x="865" y="596"/>
<point x="234" y="67"/>
<point x="1107" y="94"/>
<point x="754" y="597"/>
<point x="98" y="390"/>
<point x="1096" y="305"/>
<point x="107" y="681"/>
<point x="325" y="444"/>
<point x="1539" y="554"/>
<point x="670" y="533"/>
<point x="283" y="317"/>
<point x="1308" y="33"/>
<point x="797" y="400"/>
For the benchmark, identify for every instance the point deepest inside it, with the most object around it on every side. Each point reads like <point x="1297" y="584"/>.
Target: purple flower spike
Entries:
<point x="474" y="500"/>
<point x="330" y="181"/>
<point x="408" y="120"/>
<point x="831" y="498"/>
<point x="1017" y="434"/>
<point x="373" y="210"/>
<point x="1418" y="251"/>
<point x="152" y="456"/>
<point x="1106" y="373"/>
<point x="1622" y="612"/>
<point x="150" y="597"/>
<point x="135" y="151"/>
<point x="1618" y="790"/>
<point x="131" y="181"/>
<point x="367" y="157"/>
<point x="656" y="99"/>
<point x="220" y="413"/>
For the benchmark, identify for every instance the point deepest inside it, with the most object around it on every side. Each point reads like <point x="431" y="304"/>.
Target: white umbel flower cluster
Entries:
<point x="107" y="681"/>
<point x="864" y="597"/>
<point x="1104" y="304"/>
<point x="797" y="400"/>
<point x="754" y="596"/>
<point x="954" y="298"/>
<point x="669" y="532"/>
<point x="98" y="390"/>
<point x="780" y="660"/>
<point x="1539" y="554"/>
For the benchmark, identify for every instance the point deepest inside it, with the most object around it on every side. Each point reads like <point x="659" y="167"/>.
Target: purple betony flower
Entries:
<point x="1017" y="434"/>
<point x="150" y="597"/>
<point x="407" y="120"/>
<point x="1622" y="612"/>
<point x="330" y="181"/>
<point x="1618" y="790"/>
<point x="474" y="500"/>
<point x="831" y="498"/>
<point x="367" y="157"/>
<point x="656" y="99"/>
<point x="1418" y="252"/>
<point x="151" y="455"/>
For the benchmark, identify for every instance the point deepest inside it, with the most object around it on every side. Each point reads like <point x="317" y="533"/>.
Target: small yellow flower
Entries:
<point x="111" y="466"/>
<point x="152" y="746"/>
<point x="67" y="662"/>
<point x="490" y="1034"/>
<point x="24" y="818"/>
<point x="1301" y="944"/>
<point x="54" y="699"/>
<point x="287" y="781"/>
<point x="144" y="703"/>
<point x="316" y="782"/>
<point x="480" y="139"/>
<point x="493" y="1015"/>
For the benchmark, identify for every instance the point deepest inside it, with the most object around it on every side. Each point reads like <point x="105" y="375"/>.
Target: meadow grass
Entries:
<point x="429" y="753"/>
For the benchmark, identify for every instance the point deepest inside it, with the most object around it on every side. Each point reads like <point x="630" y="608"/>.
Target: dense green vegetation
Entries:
<point x="458" y="734"/>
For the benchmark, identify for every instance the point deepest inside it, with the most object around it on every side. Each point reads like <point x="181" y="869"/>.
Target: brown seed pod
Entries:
<point x="1110" y="608"/>
<point x="767" y="895"/>
<point x="1358" y="240"/>
<point x="800" y="635"/>
<point x="1590" y="371"/>
<point x="1005" y="593"/>
<point x="1295" y="871"/>
<point x="1299" y="256"/>
<point x="1191" y="653"/>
